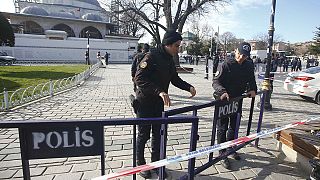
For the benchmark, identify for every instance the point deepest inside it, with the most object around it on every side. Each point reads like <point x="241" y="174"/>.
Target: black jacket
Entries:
<point x="234" y="78"/>
<point x="155" y="72"/>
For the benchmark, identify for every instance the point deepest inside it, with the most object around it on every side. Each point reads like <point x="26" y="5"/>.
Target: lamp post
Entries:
<point x="215" y="61"/>
<point x="88" y="49"/>
<point x="266" y="82"/>
<point x="128" y="51"/>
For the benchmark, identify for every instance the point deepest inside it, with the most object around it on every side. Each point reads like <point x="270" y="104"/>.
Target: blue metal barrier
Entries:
<point x="36" y="135"/>
<point x="192" y="171"/>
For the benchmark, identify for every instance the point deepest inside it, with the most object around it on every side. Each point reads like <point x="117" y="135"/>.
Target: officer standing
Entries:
<point x="106" y="58"/>
<point x="154" y="74"/>
<point x="231" y="80"/>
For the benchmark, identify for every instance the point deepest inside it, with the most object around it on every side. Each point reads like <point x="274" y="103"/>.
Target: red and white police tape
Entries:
<point x="200" y="152"/>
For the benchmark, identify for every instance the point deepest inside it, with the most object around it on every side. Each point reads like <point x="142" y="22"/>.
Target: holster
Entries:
<point x="134" y="103"/>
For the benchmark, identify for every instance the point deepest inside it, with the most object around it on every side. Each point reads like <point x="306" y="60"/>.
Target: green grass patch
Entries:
<point x="15" y="77"/>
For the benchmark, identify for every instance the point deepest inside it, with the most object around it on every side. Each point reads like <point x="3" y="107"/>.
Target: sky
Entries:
<point x="295" y="20"/>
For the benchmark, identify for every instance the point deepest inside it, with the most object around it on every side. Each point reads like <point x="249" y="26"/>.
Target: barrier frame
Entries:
<point x="23" y="125"/>
<point x="191" y="163"/>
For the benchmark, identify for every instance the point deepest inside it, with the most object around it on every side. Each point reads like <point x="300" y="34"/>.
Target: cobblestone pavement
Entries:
<point x="105" y="95"/>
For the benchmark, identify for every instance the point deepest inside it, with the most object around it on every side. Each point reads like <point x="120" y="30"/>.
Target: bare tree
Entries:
<point x="174" y="12"/>
<point x="130" y="27"/>
<point x="229" y="41"/>
<point x="263" y="38"/>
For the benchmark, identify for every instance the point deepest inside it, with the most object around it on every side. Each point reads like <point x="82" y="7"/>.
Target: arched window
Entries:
<point x="31" y="27"/>
<point x="94" y="33"/>
<point x="64" y="27"/>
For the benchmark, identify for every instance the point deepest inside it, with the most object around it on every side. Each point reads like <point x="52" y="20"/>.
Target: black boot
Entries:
<point x="165" y="175"/>
<point x="145" y="174"/>
<point x="226" y="163"/>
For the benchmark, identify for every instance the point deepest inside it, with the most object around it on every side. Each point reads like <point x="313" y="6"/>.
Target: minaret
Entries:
<point x="16" y="6"/>
<point x="115" y="17"/>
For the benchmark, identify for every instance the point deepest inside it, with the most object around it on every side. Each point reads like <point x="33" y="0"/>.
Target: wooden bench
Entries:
<point x="300" y="144"/>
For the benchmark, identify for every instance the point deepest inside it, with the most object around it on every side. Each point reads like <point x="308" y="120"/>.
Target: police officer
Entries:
<point x="231" y="80"/>
<point x="154" y="74"/>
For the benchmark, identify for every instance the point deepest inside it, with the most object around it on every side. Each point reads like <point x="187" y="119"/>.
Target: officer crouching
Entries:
<point x="154" y="74"/>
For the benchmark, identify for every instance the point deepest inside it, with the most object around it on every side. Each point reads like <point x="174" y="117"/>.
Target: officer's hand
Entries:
<point x="193" y="92"/>
<point x="224" y="96"/>
<point x="251" y="94"/>
<point x="165" y="98"/>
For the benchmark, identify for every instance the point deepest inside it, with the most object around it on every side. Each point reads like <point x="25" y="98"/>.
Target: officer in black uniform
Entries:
<point x="155" y="72"/>
<point x="233" y="78"/>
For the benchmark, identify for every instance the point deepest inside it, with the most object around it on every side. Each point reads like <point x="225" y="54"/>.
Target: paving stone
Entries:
<point x="6" y="174"/>
<point x="114" y="164"/>
<point x="33" y="172"/>
<point x="48" y="161"/>
<point x="8" y="164"/>
<point x="91" y="174"/>
<point x="2" y="157"/>
<point x="57" y="169"/>
<point x="46" y="177"/>
<point x="6" y="141"/>
<point x="222" y="176"/>
<point x="280" y="176"/>
<point x="114" y="148"/>
<point x="69" y="176"/>
<point x="243" y="174"/>
<point x="12" y="157"/>
<point x="84" y="167"/>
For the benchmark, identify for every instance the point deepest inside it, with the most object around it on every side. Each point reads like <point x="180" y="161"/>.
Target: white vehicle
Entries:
<point x="262" y="54"/>
<point x="305" y="83"/>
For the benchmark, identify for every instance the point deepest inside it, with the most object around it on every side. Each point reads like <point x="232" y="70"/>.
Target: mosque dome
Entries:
<point x="92" y="17"/>
<point x="63" y="14"/>
<point x="93" y="2"/>
<point x="188" y="35"/>
<point x="34" y="10"/>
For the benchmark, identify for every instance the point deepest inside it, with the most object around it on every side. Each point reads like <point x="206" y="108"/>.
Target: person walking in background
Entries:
<point x="197" y="60"/>
<point x="86" y="55"/>
<point x="155" y="72"/>
<point x="233" y="78"/>
<point x="299" y="65"/>
<point x="98" y="56"/>
<point x="294" y="64"/>
<point x="136" y="60"/>
<point x="106" y="58"/>
<point x="285" y="65"/>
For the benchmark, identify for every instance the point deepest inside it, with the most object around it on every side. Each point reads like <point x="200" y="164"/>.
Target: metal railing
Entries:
<point x="24" y="95"/>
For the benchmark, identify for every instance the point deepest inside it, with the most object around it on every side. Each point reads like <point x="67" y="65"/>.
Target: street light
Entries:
<point x="88" y="57"/>
<point x="266" y="82"/>
<point x="128" y="51"/>
<point x="216" y="57"/>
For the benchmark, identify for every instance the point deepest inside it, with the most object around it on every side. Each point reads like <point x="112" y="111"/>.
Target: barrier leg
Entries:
<point x="134" y="158"/>
<point x="260" y="116"/>
<point x="163" y="146"/>
<point x="103" y="157"/>
<point x="193" y="146"/>
<point x="250" y="116"/>
<point x="213" y="135"/>
<point x="24" y="158"/>
<point x="236" y="133"/>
